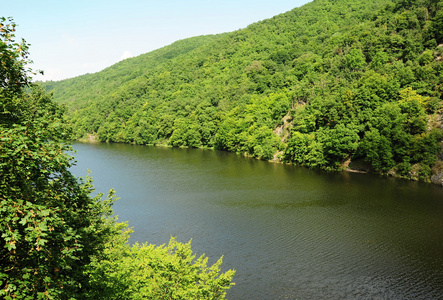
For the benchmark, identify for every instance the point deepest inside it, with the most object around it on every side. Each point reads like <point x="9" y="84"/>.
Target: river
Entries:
<point x="290" y="232"/>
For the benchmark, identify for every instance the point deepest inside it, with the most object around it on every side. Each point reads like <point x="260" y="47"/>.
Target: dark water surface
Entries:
<point x="291" y="233"/>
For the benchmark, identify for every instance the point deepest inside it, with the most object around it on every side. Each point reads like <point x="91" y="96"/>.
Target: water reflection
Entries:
<point x="290" y="232"/>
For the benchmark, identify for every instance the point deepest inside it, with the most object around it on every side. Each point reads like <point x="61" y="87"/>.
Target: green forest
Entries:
<point x="334" y="84"/>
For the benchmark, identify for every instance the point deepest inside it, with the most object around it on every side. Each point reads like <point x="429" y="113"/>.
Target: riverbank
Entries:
<point x="358" y="166"/>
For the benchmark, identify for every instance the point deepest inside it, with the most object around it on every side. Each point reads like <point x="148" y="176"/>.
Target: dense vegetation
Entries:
<point x="327" y="84"/>
<point x="58" y="242"/>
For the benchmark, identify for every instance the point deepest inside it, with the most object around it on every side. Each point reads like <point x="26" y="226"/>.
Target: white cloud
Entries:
<point x="126" y="54"/>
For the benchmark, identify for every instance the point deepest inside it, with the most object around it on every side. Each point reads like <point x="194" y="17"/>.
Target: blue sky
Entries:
<point x="70" y="38"/>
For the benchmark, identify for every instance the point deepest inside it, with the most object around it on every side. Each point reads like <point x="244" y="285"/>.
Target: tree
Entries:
<point x="13" y="57"/>
<point x="339" y="142"/>
<point x="151" y="272"/>
<point x="355" y="59"/>
<point x="377" y="150"/>
<point x="50" y="225"/>
<point x="56" y="240"/>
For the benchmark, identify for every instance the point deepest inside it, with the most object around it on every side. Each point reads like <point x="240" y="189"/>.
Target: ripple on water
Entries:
<point x="290" y="233"/>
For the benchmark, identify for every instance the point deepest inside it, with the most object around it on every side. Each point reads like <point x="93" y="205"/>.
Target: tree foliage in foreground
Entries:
<point x="156" y="272"/>
<point x="327" y="84"/>
<point x="58" y="242"/>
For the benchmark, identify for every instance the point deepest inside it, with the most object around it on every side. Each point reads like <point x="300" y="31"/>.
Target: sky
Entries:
<point x="70" y="38"/>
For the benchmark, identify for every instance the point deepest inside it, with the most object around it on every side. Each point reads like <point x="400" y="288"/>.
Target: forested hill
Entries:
<point x="333" y="84"/>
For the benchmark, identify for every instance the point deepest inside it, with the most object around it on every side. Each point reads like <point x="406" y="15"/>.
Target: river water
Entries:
<point x="291" y="233"/>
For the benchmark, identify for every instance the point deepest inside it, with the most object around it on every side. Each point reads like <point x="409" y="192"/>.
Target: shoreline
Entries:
<point x="436" y="178"/>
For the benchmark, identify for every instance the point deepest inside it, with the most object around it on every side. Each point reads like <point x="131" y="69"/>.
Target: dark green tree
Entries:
<point x="50" y="226"/>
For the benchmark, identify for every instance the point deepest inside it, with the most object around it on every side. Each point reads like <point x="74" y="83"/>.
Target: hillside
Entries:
<point x="333" y="84"/>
